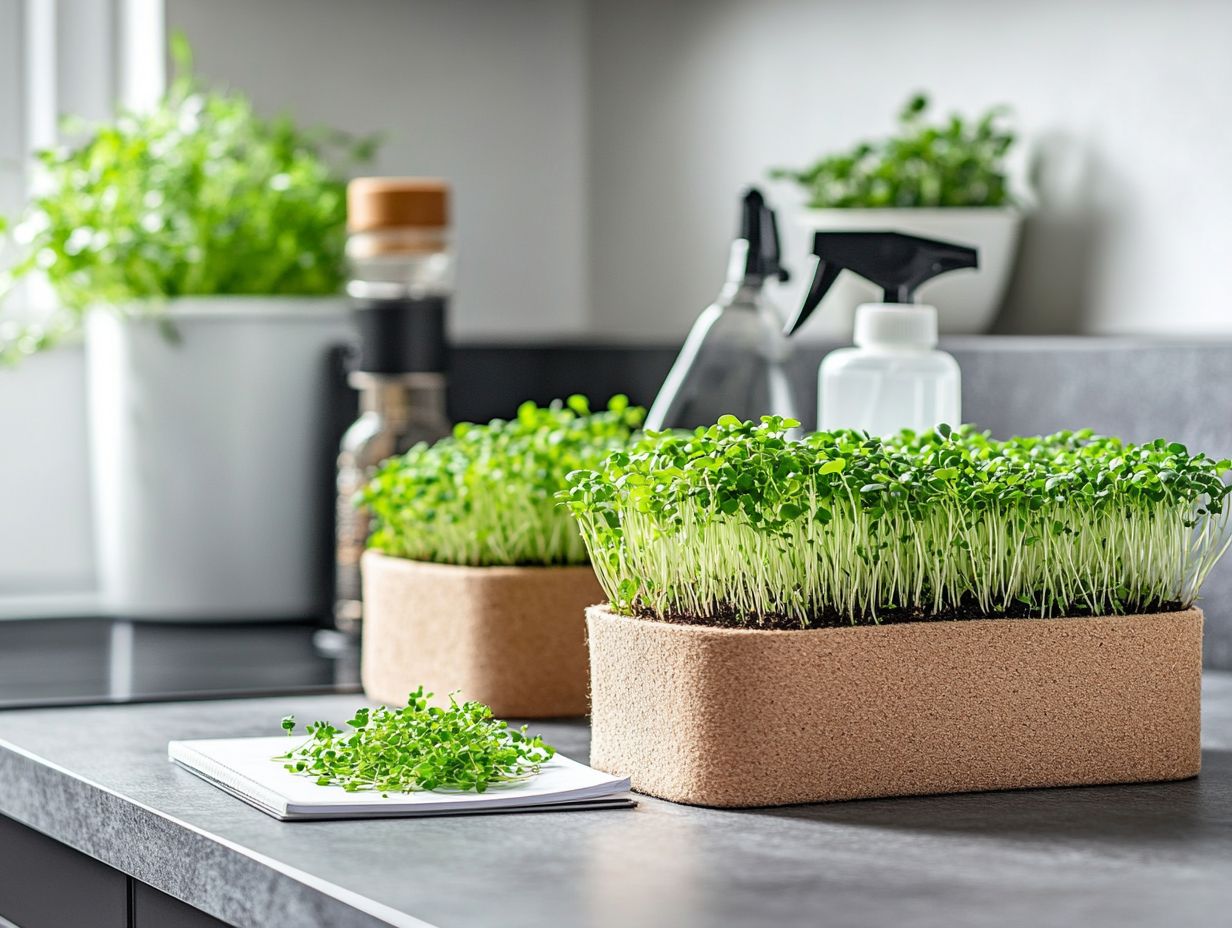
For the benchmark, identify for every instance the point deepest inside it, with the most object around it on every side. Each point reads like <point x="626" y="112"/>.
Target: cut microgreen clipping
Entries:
<point x="738" y="521"/>
<point x="418" y="747"/>
<point x="487" y="495"/>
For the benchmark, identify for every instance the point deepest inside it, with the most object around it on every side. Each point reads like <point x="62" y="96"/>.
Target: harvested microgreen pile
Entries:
<point x="736" y="524"/>
<point x="487" y="495"/>
<point x="416" y="748"/>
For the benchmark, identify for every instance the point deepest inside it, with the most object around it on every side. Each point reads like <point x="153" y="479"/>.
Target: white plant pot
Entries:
<point x="206" y="456"/>
<point x="967" y="301"/>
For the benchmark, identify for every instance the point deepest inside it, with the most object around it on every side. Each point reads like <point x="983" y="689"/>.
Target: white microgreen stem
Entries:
<point x="738" y="522"/>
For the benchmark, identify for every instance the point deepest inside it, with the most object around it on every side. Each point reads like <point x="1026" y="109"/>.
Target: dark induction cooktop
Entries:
<point x="50" y="662"/>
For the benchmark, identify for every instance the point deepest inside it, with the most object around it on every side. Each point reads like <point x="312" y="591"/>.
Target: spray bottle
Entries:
<point x="894" y="378"/>
<point x="733" y="359"/>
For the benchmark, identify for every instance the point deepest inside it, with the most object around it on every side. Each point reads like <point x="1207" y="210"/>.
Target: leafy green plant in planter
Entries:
<point x="198" y="196"/>
<point x="947" y="181"/>
<point x="736" y="524"/>
<point x="487" y="495"/>
<point x="799" y="590"/>
<point x="475" y="580"/>
<point x="957" y="163"/>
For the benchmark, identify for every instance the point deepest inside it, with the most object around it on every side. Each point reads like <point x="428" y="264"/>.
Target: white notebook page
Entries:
<point x="245" y="767"/>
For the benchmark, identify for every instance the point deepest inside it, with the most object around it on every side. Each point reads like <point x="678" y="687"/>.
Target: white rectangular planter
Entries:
<point x="207" y="456"/>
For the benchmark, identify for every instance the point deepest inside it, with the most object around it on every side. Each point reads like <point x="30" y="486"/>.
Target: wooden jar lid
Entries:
<point x="379" y="203"/>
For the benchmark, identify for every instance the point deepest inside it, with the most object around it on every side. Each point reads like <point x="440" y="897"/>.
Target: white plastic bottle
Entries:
<point x="894" y="379"/>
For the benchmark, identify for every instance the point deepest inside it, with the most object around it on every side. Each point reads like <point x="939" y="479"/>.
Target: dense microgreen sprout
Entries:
<point x="417" y="747"/>
<point x="737" y="523"/>
<point x="487" y="494"/>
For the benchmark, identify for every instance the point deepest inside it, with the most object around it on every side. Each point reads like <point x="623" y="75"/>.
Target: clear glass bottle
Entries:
<point x="734" y="359"/>
<point x="402" y="272"/>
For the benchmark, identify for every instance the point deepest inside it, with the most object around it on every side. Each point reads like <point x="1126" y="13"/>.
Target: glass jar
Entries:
<point x="402" y="268"/>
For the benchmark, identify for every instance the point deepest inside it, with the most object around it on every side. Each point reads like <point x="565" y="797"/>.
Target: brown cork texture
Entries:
<point x="510" y="637"/>
<point x="733" y="717"/>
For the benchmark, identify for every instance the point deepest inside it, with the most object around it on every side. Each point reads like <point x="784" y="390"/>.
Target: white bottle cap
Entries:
<point x="904" y="325"/>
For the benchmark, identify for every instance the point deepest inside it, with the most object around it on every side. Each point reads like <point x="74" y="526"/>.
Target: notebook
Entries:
<point x="244" y="768"/>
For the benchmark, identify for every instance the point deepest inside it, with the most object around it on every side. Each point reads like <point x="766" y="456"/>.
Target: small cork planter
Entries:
<point x="510" y="637"/>
<point x="735" y="717"/>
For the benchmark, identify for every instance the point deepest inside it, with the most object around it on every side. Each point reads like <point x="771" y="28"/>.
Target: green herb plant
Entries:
<point x="487" y="494"/>
<point x="199" y="195"/>
<point x="418" y="747"/>
<point x="958" y="162"/>
<point x="738" y="523"/>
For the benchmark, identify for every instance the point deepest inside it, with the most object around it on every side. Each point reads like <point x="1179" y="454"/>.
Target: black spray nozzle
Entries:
<point x="895" y="262"/>
<point x="759" y="228"/>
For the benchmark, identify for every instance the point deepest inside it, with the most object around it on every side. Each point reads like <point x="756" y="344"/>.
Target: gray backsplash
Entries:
<point x="1138" y="389"/>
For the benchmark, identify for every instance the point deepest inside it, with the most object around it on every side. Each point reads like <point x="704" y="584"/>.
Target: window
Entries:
<point x="56" y="57"/>
<point x="60" y="57"/>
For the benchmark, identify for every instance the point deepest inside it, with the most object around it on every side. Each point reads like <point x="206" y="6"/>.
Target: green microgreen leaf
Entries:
<point x="418" y="747"/>
<point x="738" y="520"/>
<point x="487" y="494"/>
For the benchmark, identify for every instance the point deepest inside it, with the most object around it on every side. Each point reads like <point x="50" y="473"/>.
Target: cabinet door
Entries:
<point x="46" y="884"/>
<point x="154" y="909"/>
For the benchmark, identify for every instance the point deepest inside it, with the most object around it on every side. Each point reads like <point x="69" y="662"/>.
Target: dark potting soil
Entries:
<point x="892" y="616"/>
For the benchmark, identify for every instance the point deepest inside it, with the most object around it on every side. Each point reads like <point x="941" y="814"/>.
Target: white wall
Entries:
<point x="490" y="94"/>
<point x="56" y="57"/>
<point x="45" y="526"/>
<point x="12" y="109"/>
<point x="597" y="148"/>
<point x="1127" y="103"/>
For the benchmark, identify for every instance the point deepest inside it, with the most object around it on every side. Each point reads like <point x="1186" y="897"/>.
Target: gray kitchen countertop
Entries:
<point x="98" y="779"/>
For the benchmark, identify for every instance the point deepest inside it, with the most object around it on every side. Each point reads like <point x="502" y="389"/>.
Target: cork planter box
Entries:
<point x="750" y="717"/>
<point x="843" y="616"/>
<point x="510" y="637"/>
